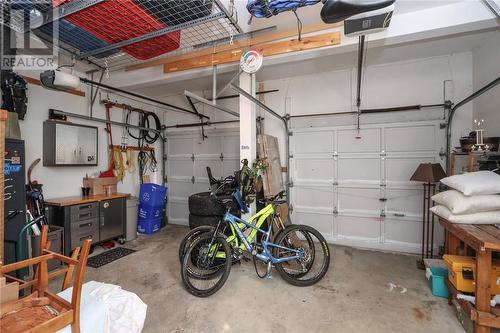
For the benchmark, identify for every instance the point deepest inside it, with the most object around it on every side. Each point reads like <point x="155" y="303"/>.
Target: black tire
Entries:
<point x="196" y="221"/>
<point x="303" y="279"/>
<point x="215" y="268"/>
<point x="202" y="204"/>
<point x="190" y="237"/>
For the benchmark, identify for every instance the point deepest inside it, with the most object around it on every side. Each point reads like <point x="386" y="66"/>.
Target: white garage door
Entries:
<point x="356" y="191"/>
<point x="187" y="158"/>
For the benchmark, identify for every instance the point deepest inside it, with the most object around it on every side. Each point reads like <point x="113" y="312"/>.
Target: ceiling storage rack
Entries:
<point x="114" y="34"/>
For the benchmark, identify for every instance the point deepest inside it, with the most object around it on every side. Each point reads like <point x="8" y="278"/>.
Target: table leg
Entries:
<point x="483" y="292"/>
<point x="452" y="243"/>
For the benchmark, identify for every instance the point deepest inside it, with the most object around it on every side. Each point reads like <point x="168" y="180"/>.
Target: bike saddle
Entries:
<point x="334" y="11"/>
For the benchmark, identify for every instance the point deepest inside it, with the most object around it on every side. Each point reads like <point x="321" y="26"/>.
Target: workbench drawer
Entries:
<point x="84" y="208"/>
<point x="88" y="229"/>
<point x="84" y="212"/>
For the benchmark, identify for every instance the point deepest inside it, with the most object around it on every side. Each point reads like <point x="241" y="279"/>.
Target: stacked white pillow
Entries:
<point x="474" y="198"/>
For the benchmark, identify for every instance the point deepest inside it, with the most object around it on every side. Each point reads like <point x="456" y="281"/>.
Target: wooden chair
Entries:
<point x="43" y="311"/>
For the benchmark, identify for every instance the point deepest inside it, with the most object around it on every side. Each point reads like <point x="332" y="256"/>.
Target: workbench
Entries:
<point x="484" y="239"/>
<point x="96" y="217"/>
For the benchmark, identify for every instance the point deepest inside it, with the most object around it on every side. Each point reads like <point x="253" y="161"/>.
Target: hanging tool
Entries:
<point x="111" y="167"/>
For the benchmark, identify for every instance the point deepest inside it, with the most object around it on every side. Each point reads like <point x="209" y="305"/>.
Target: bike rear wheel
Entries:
<point x="206" y="265"/>
<point x="313" y="266"/>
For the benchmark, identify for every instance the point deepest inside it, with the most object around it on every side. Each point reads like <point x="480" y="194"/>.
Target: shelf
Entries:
<point x="482" y="318"/>
<point x="202" y="22"/>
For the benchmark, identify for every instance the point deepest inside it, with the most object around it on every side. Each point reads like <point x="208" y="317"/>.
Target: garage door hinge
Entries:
<point x="290" y="183"/>
<point x="192" y="157"/>
<point x="383" y="184"/>
<point x="290" y="208"/>
<point x="442" y="125"/>
<point x="290" y="133"/>
<point x="382" y="213"/>
<point x="442" y="153"/>
<point x="221" y="156"/>
<point x="335" y="183"/>
<point x="335" y="154"/>
<point x="335" y="211"/>
<point x="382" y="199"/>
<point x="165" y="157"/>
<point x="383" y="154"/>
<point x="192" y="179"/>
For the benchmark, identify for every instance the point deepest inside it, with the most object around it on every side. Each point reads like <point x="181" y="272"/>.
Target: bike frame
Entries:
<point x="266" y="256"/>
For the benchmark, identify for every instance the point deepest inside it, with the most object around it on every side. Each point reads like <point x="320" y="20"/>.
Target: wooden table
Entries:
<point x="484" y="239"/>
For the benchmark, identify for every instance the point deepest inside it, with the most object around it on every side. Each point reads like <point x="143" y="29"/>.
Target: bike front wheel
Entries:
<point x="206" y="265"/>
<point x="315" y="260"/>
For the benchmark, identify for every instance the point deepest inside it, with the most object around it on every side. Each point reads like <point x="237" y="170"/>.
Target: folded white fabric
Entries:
<point x="475" y="218"/>
<point x="458" y="203"/>
<point x="474" y="183"/>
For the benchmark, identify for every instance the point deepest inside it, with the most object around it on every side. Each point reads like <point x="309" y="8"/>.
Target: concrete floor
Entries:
<point x="353" y="296"/>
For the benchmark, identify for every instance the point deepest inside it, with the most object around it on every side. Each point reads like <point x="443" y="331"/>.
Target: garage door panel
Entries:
<point x="179" y="188"/>
<point x="179" y="210"/>
<point x="410" y="138"/>
<point x="231" y="146"/>
<point x="201" y="186"/>
<point x="359" y="169"/>
<point x="200" y="168"/>
<point x="229" y="166"/>
<point x="180" y="146"/>
<point x="358" y="227"/>
<point x="401" y="169"/>
<point x="403" y="231"/>
<point x="210" y="145"/>
<point x="321" y="222"/>
<point x="181" y="168"/>
<point x="313" y="142"/>
<point x="357" y="199"/>
<point x="404" y="201"/>
<point x="314" y="169"/>
<point x="314" y="197"/>
<point x="367" y="141"/>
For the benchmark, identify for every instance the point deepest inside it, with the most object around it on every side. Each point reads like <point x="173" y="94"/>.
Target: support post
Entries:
<point x="248" y="123"/>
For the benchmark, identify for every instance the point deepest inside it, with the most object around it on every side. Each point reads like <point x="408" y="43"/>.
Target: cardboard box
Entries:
<point x="9" y="292"/>
<point x="99" y="185"/>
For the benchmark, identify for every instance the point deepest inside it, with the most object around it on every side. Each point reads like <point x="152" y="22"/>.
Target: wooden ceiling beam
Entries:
<point x="248" y="42"/>
<point x="269" y="49"/>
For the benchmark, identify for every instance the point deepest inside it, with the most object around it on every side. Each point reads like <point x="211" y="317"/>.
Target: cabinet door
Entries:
<point x="112" y="218"/>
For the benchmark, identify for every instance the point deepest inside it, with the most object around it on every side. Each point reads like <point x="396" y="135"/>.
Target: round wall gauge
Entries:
<point x="251" y="61"/>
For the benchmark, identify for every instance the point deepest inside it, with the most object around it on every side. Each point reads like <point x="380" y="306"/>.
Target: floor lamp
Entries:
<point x="429" y="174"/>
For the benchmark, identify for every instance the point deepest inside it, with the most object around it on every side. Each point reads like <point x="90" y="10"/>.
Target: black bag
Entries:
<point x="14" y="95"/>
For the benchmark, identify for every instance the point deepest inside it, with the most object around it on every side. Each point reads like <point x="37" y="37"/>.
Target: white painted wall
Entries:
<point x="486" y="68"/>
<point x="67" y="181"/>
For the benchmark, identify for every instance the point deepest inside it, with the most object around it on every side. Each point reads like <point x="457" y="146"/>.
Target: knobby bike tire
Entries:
<point x="223" y="272"/>
<point x="294" y="279"/>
